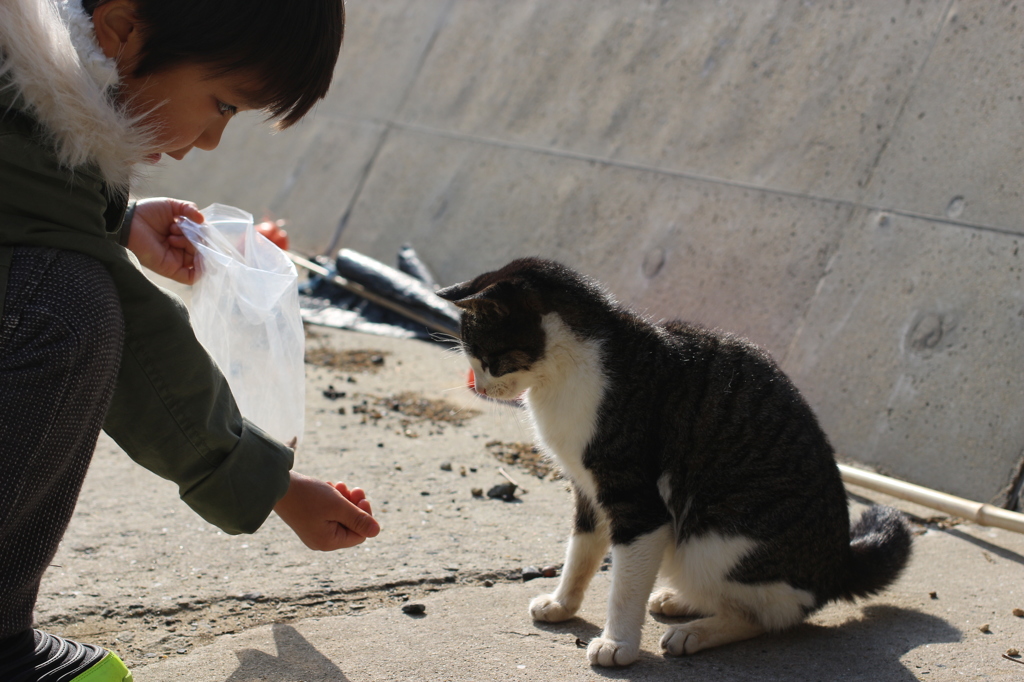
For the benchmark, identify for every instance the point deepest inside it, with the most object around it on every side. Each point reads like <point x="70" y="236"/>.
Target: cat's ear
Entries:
<point x="465" y="296"/>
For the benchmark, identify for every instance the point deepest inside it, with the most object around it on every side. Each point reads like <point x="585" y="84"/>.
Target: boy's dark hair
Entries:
<point x="290" y="46"/>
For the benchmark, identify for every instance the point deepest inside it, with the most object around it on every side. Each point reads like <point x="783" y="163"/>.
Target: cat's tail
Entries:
<point x="879" y="548"/>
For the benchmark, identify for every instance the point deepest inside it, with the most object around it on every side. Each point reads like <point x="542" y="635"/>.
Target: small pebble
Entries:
<point x="984" y="628"/>
<point x="549" y="571"/>
<point x="531" y="572"/>
<point x="424" y="493"/>
<point x="488" y="583"/>
<point x="462" y="471"/>
<point x="446" y="466"/>
<point x="1012" y="652"/>
<point x="503" y="491"/>
<point x="477" y="492"/>
<point x="1018" y="612"/>
<point x="414" y="609"/>
<point x="933" y="595"/>
<point x="380" y="445"/>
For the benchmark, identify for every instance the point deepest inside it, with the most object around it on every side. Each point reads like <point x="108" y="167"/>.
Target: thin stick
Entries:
<point x="511" y="480"/>
<point x="360" y="290"/>
<point x="1011" y="658"/>
<point x="978" y="512"/>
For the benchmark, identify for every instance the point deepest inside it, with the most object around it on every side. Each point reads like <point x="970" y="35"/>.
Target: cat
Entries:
<point x="688" y="452"/>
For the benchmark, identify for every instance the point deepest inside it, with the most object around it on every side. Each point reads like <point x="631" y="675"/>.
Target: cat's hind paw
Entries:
<point x="689" y="638"/>
<point x="609" y="652"/>
<point x="679" y="640"/>
<point x="667" y="602"/>
<point x="547" y="609"/>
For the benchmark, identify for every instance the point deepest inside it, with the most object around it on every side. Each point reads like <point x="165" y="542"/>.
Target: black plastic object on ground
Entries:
<point x="409" y="262"/>
<point x="326" y="303"/>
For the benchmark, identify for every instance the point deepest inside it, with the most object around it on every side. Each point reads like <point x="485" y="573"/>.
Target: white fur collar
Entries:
<point x="50" y="51"/>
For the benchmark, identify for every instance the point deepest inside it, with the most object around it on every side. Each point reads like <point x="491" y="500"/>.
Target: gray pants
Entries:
<point x="60" y="348"/>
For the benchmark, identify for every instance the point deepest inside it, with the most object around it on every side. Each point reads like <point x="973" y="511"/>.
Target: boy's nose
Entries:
<point x="210" y="138"/>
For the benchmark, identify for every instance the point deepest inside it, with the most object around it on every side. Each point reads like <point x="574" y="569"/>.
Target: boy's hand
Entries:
<point x="157" y="240"/>
<point x="326" y="516"/>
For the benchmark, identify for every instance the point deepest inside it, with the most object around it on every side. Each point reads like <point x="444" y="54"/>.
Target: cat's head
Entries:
<point x="507" y="318"/>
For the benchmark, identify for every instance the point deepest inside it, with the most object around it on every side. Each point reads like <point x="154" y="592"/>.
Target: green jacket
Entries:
<point x="172" y="410"/>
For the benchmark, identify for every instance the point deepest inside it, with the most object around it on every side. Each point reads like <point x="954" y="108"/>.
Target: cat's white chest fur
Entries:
<point x="566" y="391"/>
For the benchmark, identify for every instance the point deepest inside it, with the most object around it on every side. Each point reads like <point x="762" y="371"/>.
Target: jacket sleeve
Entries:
<point x="173" y="413"/>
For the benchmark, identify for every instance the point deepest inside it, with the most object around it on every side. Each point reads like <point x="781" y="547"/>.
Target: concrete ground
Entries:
<point x="178" y="600"/>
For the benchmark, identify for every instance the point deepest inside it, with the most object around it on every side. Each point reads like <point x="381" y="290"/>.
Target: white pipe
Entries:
<point x="978" y="512"/>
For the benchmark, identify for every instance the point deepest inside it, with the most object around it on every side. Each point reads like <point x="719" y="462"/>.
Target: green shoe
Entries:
<point x="35" y="656"/>
<point x="109" y="669"/>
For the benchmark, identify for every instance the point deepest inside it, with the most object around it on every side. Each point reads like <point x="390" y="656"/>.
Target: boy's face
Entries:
<point x="184" y="107"/>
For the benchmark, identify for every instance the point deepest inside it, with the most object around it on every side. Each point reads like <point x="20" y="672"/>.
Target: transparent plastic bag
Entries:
<point x="245" y="312"/>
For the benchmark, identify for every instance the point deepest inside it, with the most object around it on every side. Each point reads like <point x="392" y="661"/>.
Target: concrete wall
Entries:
<point x="838" y="181"/>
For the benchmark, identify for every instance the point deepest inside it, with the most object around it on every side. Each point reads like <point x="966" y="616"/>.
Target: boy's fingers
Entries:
<point x="357" y="520"/>
<point x="364" y="504"/>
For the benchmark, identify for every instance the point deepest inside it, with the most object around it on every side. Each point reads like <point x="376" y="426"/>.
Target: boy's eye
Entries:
<point x="227" y="109"/>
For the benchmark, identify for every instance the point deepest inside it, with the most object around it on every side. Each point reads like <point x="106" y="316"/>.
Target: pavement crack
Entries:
<point x="140" y="633"/>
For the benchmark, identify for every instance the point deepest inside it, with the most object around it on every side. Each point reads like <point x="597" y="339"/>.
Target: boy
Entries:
<point x="88" y="88"/>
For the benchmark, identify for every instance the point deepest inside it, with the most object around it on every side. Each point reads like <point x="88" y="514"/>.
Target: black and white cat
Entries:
<point x="689" y="452"/>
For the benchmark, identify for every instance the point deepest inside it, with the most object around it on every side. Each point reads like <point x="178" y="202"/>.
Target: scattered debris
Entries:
<point x="416" y="407"/>
<point x="488" y="583"/>
<point x="531" y="573"/>
<point x="331" y="394"/>
<point x="1012" y="652"/>
<point x="1015" y="660"/>
<point x="1018" y="612"/>
<point x="503" y="491"/>
<point x="462" y="471"/>
<point x="523" y="455"/>
<point x="446" y="466"/>
<point x="984" y="627"/>
<point x="549" y="571"/>
<point x="933" y="595"/>
<point x="581" y="643"/>
<point x="477" y="492"/>
<point x="414" y="609"/>
<point x="346" y="360"/>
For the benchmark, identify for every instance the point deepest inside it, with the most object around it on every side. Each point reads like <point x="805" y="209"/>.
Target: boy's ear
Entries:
<point x="118" y="32"/>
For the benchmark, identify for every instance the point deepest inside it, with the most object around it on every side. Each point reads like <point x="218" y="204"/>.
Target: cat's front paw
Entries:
<point x="609" y="652"/>
<point x="549" y="610"/>
<point x="667" y="602"/>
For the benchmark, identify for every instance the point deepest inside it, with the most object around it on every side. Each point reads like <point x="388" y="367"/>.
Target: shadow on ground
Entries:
<point x="296" y="659"/>
<point x="863" y="648"/>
